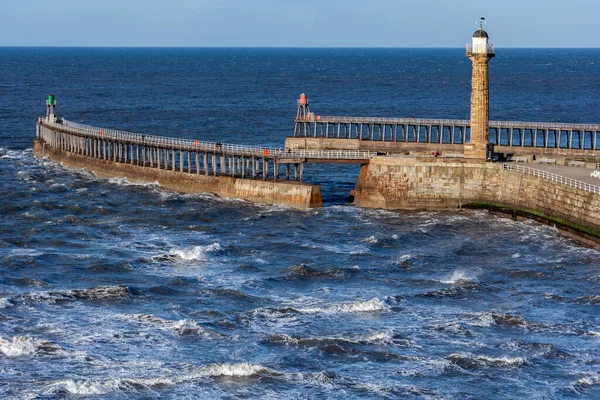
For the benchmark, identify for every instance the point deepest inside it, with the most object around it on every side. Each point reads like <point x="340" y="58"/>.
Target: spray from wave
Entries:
<point x="196" y="253"/>
<point x="21" y="346"/>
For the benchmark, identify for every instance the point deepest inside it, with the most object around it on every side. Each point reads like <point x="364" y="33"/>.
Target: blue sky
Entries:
<point x="297" y="23"/>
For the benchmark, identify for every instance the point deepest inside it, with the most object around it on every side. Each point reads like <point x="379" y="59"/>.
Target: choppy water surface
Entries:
<point x="119" y="291"/>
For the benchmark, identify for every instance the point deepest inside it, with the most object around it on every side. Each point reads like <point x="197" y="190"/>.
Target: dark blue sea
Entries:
<point x="110" y="290"/>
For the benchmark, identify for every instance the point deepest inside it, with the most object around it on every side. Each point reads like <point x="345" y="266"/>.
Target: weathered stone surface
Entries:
<point x="291" y="193"/>
<point x="476" y="147"/>
<point x="407" y="183"/>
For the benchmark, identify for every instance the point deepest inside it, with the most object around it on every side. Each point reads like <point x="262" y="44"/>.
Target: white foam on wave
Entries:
<point x="22" y="346"/>
<point x="404" y="258"/>
<point x="98" y="387"/>
<point x="426" y="368"/>
<point x="196" y="253"/>
<point x="587" y="381"/>
<point x="383" y="337"/>
<point x="371" y="239"/>
<point x="126" y="182"/>
<point x="339" y="249"/>
<point x="5" y="302"/>
<point x="361" y="306"/>
<point x="26" y="252"/>
<point x="13" y="154"/>
<point x="181" y="327"/>
<point x="458" y="277"/>
<point x="19" y="346"/>
<point x="103" y="387"/>
<point x="97" y="293"/>
<point x="483" y="320"/>
<point x="500" y="362"/>
<point x="237" y="370"/>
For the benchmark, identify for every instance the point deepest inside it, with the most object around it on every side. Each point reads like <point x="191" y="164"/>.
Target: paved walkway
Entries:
<point x="577" y="173"/>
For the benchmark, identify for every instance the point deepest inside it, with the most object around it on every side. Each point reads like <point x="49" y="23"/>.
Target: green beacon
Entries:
<point x="51" y="108"/>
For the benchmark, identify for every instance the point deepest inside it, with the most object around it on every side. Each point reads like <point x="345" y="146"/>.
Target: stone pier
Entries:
<point x="409" y="183"/>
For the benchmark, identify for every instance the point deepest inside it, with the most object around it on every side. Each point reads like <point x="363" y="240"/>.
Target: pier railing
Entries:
<point x="553" y="177"/>
<point x="516" y="134"/>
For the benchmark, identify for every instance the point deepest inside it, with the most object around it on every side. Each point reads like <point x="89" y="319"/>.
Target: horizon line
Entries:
<point x="281" y="47"/>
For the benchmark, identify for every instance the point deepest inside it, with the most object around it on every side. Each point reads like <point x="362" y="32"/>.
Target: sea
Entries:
<point x="114" y="290"/>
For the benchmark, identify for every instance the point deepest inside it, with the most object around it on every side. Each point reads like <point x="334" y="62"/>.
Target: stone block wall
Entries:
<point x="291" y="193"/>
<point x="403" y="183"/>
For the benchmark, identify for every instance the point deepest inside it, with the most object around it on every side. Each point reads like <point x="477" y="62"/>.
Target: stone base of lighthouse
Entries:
<point x="476" y="150"/>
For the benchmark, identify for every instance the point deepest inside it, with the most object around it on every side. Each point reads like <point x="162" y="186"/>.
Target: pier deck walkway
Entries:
<point x="578" y="174"/>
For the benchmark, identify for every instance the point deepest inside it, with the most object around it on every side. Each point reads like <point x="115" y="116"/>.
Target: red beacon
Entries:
<point x="303" y="101"/>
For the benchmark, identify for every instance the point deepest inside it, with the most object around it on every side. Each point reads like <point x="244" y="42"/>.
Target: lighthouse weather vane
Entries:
<point x="481" y="22"/>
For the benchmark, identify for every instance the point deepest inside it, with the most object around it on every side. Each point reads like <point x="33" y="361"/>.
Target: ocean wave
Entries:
<point x="126" y="182"/>
<point x="14" y="154"/>
<point x="93" y="387"/>
<point x="379" y="338"/>
<point x="277" y="317"/>
<point x="525" y="274"/>
<point x="470" y="361"/>
<point x="6" y="302"/>
<point x="97" y="293"/>
<point x="99" y="387"/>
<point x="371" y="239"/>
<point x="182" y="327"/>
<point x="361" y="306"/>
<point x="406" y="261"/>
<point x="302" y="271"/>
<point x="492" y="318"/>
<point x="461" y="291"/>
<point x="196" y="253"/>
<point x="459" y="278"/>
<point x="586" y="382"/>
<point x="592" y="299"/>
<point x="455" y="328"/>
<point x="233" y="370"/>
<point x="20" y="346"/>
<point x="339" y="249"/>
<point x="427" y="368"/>
<point x="546" y="350"/>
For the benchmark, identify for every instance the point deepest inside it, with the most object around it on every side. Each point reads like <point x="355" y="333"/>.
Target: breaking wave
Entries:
<point x="103" y="387"/>
<point x="470" y="361"/>
<point x="302" y="271"/>
<point x="182" y="327"/>
<point x="458" y="278"/>
<point x="196" y="253"/>
<point x="361" y="306"/>
<point x="380" y="338"/>
<point x="593" y="299"/>
<point x="126" y="182"/>
<point x="20" y="346"/>
<point x="5" y="302"/>
<point x="98" y="293"/>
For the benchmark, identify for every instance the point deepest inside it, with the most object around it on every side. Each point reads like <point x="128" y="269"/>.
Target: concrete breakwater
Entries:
<point x="181" y="166"/>
<point x="409" y="183"/>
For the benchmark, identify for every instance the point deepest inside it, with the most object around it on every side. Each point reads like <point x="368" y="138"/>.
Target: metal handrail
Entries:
<point x="480" y="48"/>
<point x="198" y="145"/>
<point x="553" y="177"/>
<point x="452" y="122"/>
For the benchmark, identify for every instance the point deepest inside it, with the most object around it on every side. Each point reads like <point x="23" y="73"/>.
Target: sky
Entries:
<point x="297" y="23"/>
